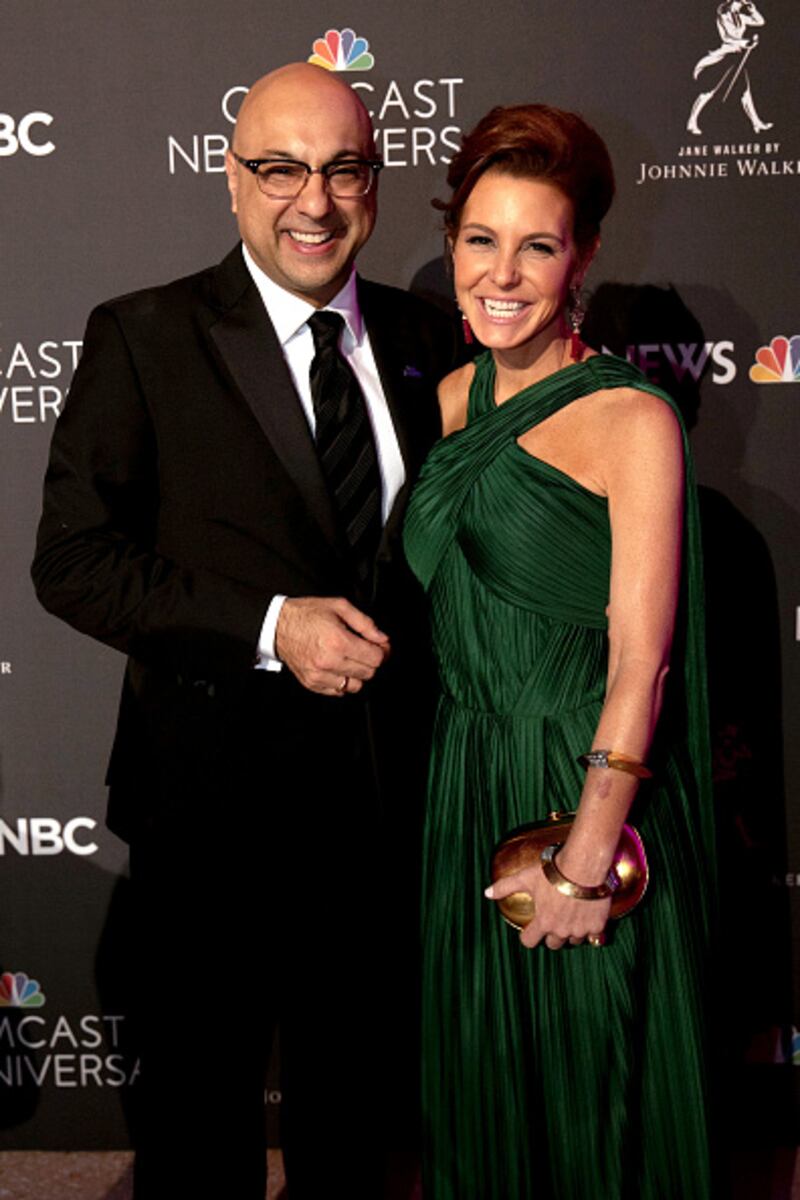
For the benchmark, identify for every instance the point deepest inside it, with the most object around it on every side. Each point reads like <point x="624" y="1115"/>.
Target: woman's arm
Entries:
<point x="453" y="396"/>
<point x="642" y="473"/>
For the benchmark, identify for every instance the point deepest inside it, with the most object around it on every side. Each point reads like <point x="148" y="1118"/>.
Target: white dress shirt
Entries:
<point x="289" y="316"/>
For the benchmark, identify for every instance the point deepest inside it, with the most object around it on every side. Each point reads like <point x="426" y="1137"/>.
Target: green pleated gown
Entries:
<point x="578" y="1073"/>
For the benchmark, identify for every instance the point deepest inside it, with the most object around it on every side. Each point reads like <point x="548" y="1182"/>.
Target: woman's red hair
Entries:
<point x="536" y="141"/>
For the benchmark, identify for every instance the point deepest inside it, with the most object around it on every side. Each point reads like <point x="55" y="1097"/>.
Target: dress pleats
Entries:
<point x="578" y="1073"/>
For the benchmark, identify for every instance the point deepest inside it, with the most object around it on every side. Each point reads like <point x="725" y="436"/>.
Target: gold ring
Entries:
<point x="596" y="939"/>
<point x="342" y="687"/>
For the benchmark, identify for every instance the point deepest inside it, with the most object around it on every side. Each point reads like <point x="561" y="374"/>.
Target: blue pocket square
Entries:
<point x="412" y="372"/>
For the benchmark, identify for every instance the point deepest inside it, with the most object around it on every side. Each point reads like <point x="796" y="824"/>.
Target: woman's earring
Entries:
<point x="575" y="314"/>
<point x="466" y="329"/>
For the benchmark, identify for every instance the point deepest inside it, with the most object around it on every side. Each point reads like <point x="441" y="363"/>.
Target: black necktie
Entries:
<point x="345" y="444"/>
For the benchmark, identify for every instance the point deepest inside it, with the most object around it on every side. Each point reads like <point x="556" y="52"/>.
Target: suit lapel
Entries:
<point x="244" y="337"/>
<point x="246" y="341"/>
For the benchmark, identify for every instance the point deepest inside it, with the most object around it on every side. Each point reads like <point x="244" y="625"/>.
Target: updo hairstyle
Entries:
<point x="535" y="141"/>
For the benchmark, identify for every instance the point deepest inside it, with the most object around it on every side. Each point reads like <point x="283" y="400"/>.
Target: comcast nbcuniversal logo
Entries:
<point x="341" y="50"/>
<point x="18" y="991"/>
<point x="76" y="1051"/>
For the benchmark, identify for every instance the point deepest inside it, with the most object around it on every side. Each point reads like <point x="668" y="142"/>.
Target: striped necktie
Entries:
<point x="345" y="443"/>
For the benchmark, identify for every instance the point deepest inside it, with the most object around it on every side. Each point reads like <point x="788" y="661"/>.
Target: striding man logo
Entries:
<point x="723" y="72"/>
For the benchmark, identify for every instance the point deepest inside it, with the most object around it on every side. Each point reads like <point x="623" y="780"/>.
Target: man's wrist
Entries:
<point x="267" y="659"/>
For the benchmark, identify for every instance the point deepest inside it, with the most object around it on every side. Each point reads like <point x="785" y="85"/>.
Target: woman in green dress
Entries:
<point x="555" y="530"/>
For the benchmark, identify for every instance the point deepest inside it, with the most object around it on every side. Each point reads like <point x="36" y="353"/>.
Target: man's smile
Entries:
<point x="310" y="239"/>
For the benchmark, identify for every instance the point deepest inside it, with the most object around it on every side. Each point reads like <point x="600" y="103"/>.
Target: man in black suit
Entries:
<point x="224" y="504"/>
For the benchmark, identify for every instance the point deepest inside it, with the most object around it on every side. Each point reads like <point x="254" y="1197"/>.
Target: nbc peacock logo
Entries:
<point x="341" y="50"/>
<point x="18" y="991"/>
<point x="779" y="362"/>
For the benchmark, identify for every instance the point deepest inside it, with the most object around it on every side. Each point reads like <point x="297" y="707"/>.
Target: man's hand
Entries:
<point x="328" y="644"/>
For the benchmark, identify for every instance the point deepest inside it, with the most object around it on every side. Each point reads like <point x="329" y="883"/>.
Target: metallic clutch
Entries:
<point x="523" y="848"/>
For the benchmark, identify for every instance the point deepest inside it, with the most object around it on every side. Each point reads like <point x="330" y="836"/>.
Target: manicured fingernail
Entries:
<point x="489" y="893"/>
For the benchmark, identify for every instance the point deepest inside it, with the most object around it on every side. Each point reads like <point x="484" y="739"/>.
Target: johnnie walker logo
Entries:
<point x="725" y="127"/>
<point x="722" y="73"/>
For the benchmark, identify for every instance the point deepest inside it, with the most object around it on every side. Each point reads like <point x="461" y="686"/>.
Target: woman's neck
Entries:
<point x="524" y="365"/>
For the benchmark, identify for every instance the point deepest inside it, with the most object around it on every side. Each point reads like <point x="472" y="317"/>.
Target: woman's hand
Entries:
<point x="558" y="919"/>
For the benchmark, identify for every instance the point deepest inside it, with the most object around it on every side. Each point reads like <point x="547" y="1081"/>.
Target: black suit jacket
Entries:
<point x="184" y="491"/>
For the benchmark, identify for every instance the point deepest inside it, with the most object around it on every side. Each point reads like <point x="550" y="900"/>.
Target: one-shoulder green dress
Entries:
<point x="576" y="1073"/>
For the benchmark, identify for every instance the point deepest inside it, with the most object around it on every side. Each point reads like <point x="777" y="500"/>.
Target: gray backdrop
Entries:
<point x="114" y="119"/>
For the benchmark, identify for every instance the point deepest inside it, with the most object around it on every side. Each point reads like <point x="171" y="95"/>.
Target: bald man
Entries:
<point x="223" y="504"/>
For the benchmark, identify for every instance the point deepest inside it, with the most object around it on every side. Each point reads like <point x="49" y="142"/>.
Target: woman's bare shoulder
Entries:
<point x="635" y="414"/>
<point x="640" y="435"/>
<point x="453" y="394"/>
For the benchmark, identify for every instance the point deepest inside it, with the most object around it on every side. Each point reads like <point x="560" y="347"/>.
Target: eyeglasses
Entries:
<point x="284" y="178"/>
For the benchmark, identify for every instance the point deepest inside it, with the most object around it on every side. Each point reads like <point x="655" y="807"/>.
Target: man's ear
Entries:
<point x="233" y="178"/>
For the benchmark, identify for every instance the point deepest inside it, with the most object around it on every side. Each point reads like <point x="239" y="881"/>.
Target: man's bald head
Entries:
<point x="300" y="84"/>
<point x="304" y="114"/>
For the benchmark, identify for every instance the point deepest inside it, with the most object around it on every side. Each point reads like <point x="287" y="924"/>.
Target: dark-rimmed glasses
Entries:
<point x="285" y="178"/>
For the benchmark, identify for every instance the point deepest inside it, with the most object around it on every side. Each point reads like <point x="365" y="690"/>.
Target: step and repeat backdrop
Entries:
<point x="114" y="119"/>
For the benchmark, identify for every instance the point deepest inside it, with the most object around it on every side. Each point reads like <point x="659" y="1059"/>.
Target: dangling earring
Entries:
<point x="466" y="329"/>
<point x="575" y="314"/>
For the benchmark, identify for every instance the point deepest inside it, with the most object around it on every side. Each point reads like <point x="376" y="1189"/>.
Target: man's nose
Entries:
<point x="314" y="200"/>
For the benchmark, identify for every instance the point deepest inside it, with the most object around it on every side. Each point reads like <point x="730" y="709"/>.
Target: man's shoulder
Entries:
<point x="406" y="318"/>
<point x="382" y="296"/>
<point x="216" y="286"/>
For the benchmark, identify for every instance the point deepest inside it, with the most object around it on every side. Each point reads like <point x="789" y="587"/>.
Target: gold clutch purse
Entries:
<point x="523" y="848"/>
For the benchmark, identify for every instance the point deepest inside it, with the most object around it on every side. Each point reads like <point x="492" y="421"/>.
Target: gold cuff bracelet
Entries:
<point x="616" y="761"/>
<point x="567" y="888"/>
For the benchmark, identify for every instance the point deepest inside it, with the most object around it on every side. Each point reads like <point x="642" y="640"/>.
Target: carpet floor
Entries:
<point x="51" y="1175"/>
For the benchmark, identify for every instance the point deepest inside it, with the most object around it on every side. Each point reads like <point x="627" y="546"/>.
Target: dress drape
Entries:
<point x="581" y="1072"/>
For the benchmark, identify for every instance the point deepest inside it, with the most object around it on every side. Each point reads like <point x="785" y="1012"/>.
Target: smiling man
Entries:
<point x="223" y="504"/>
<point x="306" y="243"/>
